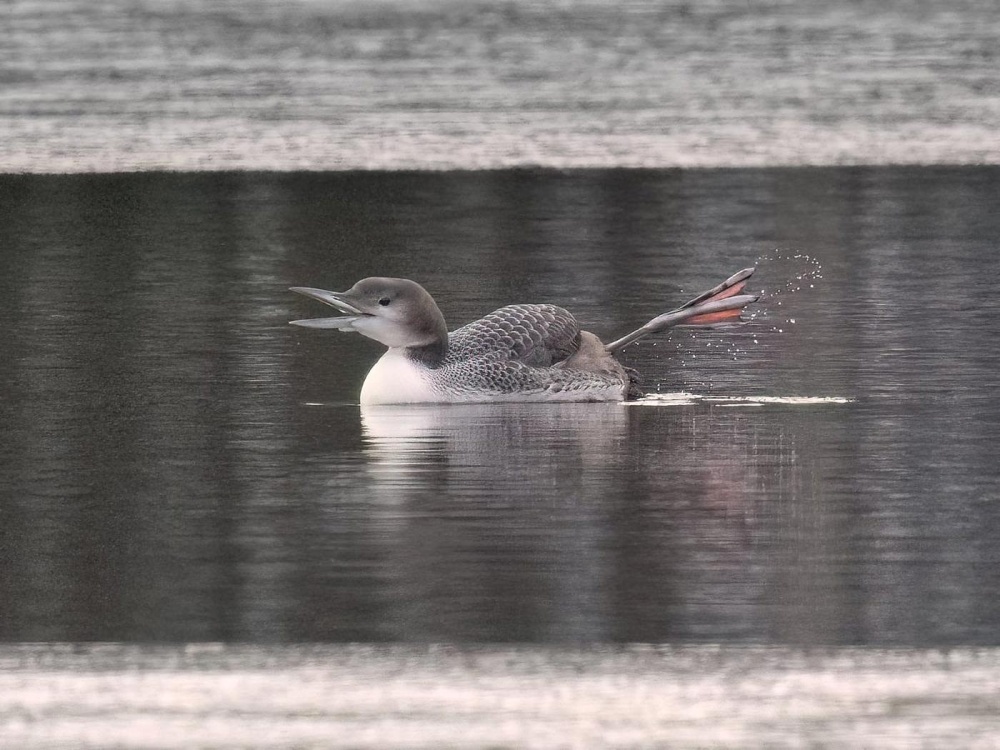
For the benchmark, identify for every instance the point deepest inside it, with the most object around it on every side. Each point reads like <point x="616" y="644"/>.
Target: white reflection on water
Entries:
<point x="254" y="84"/>
<point x="356" y="696"/>
<point x="683" y="398"/>
<point x="481" y="433"/>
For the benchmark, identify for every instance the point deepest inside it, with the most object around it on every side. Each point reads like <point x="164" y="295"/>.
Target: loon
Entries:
<point x="532" y="352"/>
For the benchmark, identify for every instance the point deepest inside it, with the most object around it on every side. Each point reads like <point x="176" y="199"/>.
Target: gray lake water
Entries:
<point x="178" y="464"/>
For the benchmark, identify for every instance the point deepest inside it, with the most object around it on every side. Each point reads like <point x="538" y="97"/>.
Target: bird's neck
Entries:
<point x="429" y="355"/>
<point x="431" y="331"/>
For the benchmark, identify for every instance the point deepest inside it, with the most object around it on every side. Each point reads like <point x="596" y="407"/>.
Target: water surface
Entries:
<point x="360" y="696"/>
<point x="180" y="464"/>
<point x="443" y="84"/>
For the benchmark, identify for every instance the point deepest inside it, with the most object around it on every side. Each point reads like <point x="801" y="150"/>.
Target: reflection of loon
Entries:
<point x="516" y="353"/>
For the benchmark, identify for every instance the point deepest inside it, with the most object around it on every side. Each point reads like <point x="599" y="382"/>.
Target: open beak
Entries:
<point x="338" y="300"/>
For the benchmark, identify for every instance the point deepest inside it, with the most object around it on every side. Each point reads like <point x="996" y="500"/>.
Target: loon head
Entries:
<point x="396" y="312"/>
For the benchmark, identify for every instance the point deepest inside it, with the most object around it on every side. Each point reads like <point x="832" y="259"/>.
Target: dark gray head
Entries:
<point x="396" y="312"/>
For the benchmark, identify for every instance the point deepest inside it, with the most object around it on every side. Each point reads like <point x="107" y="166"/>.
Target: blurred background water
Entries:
<point x="443" y="84"/>
<point x="180" y="464"/>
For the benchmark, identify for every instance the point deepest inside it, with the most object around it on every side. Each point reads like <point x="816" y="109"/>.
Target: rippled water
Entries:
<point x="180" y="464"/>
<point x="357" y="696"/>
<point x="441" y="84"/>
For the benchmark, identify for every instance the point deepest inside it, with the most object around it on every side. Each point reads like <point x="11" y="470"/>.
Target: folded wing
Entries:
<point x="534" y="335"/>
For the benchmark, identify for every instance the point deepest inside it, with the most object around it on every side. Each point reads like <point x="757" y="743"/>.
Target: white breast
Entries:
<point x="397" y="379"/>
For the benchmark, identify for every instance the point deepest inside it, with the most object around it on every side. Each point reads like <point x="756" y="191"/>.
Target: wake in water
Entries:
<point x="683" y="398"/>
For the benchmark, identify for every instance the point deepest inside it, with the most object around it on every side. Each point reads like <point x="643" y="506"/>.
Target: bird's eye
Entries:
<point x="384" y="301"/>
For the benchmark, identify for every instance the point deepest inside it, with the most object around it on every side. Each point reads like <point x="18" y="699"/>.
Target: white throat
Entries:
<point x="397" y="379"/>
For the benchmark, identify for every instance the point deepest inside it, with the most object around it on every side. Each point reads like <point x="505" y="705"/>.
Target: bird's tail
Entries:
<point x="719" y="305"/>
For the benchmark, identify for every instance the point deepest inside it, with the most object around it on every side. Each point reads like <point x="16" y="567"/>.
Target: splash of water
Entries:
<point x="793" y="272"/>
<point x="799" y="271"/>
